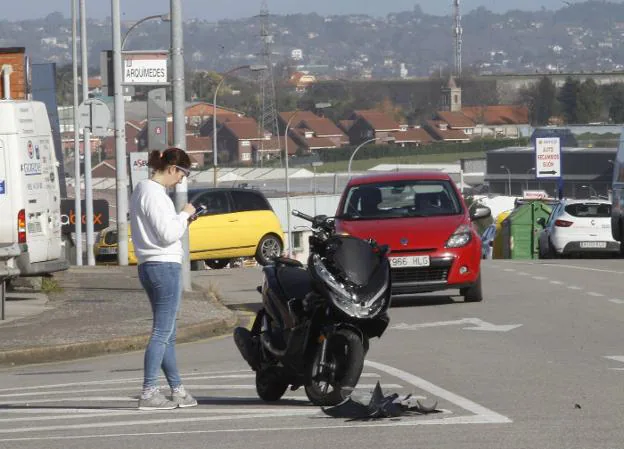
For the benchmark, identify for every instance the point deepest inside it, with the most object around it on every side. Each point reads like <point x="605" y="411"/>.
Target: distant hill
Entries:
<point x="581" y="37"/>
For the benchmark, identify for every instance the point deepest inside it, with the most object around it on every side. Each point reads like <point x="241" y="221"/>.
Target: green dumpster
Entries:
<point x="521" y="231"/>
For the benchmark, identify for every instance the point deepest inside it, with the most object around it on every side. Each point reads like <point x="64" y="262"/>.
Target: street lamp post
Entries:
<point x="508" y="178"/>
<point x="77" y="188"/>
<point x="288" y="228"/>
<point x="356" y="150"/>
<point x="215" y="159"/>
<point x="162" y="17"/>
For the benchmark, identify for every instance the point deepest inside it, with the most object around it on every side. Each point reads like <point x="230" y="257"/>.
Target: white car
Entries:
<point x="577" y="227"/>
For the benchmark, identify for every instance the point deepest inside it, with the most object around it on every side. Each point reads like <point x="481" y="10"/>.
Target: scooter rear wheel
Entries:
<point x="345" y="356"/>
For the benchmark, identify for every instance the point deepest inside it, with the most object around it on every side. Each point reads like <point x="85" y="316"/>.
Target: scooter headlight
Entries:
<point x="345" y="299"/>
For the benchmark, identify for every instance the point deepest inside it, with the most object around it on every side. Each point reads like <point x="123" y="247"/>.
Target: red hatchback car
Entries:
<point x="422" y="217"/>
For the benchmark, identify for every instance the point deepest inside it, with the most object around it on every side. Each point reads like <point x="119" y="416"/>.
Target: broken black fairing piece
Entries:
<point x="378" y="406"/>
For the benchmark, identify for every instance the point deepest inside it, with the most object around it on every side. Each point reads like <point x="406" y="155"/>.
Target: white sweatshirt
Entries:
<point x="155" y="226"/>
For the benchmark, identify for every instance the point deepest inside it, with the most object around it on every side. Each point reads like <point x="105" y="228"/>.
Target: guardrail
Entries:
<point x="7" y="270"/>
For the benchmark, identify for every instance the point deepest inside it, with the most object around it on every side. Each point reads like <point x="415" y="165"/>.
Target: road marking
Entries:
<point x="556" y="282"/>
<point x="574" y="287"/>
<point x="187" y="385"/>
<point x="617" y="358"/>
<point x="576" y="267"/>
<point x="522" y="273"/>
<point x="509" y="270"/>
<point x="539" y="278"/>
<point x="479" y="325"/>
<point x="595" y="295"/>
<point x="486" y="414"/>
<point x="480" y="415"/>
<point x="616" y="301"/>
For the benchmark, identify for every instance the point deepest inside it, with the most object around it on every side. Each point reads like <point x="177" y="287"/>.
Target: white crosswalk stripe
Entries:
<point x="62" y="409"/>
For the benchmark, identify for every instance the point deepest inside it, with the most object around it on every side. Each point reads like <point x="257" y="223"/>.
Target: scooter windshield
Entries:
<point x="353" y="258"/>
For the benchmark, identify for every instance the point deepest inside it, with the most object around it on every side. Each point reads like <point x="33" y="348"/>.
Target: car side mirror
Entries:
<point x="541" y="221"/>
<point x="480" y="212"/>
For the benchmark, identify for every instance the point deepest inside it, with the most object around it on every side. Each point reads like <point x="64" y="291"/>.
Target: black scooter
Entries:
<point x="316" y="321"/>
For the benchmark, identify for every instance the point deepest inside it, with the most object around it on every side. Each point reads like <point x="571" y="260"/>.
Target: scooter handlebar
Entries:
<point x="296" y="213"/>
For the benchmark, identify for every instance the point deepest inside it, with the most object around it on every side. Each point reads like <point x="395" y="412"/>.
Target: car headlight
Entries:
<point x="349" y="302"/>
<point x="461" y="237"/>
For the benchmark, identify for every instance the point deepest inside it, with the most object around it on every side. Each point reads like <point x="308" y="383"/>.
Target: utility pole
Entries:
<point x="121" y="171"/>
<point x="458" y="39"/>
<point x="77" y="182"/>
<point x="179" y="126"/>
<point x="268" y="118"/>
<point x="86" y="136"/>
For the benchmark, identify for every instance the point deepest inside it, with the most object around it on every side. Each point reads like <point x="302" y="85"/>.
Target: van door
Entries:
<point x="36" y="204"/>
<point x="8" y="227"/>
<point x="52" y="221"/>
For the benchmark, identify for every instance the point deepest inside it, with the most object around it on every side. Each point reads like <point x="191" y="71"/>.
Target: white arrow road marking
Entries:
<point x="478" y="325"/>
<point x="617" y="358"/>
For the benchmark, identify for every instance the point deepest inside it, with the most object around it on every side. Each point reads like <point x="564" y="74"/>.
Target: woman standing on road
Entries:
<point x="157" y="230"/>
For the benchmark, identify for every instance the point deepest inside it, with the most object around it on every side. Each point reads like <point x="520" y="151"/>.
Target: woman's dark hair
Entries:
<point x="158" y="161"/>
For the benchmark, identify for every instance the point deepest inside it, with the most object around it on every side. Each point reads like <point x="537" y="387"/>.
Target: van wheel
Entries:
<point x="270" y="246"/>
<point x="217" y="264"/>
<point x="474" y="293"/>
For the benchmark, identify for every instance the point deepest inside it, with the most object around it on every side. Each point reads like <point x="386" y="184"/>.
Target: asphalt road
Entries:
<point x="538" y="364"/>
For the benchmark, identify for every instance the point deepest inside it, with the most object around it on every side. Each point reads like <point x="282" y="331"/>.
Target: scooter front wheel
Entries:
<point x="270" y="384"/>
<point x="331" y="378"/>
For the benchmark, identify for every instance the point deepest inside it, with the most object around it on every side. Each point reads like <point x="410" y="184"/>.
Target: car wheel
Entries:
<point x="474" y="293"/>
<point x="217" y="264"/>
<point x="270" y="246"/>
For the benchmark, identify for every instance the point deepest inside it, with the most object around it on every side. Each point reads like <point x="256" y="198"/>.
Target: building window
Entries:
<point x="245" y="156"/>
<point x="297" y="239"/>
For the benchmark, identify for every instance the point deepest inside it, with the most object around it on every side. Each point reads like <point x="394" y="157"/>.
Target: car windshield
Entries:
<point x="589" y="210"/>
<point x="399" y="199"/>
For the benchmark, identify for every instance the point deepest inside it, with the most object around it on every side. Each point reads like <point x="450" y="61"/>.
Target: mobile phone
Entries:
<point x="199" y="210"/>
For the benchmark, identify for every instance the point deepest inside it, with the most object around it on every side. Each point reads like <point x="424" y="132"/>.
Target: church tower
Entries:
<point x="451" y="97"/>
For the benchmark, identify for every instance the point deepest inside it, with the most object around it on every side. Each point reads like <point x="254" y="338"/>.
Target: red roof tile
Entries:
<point x="322" y="126"/>
<point x="498" y="114"/>
<point x="243" y="130"/>
<point x="378" y="120"/>
<point x="301" y="115"/>
<point x="418" y="135"/>
<point x="456" y="120"/>
<point x="448" y="134"/>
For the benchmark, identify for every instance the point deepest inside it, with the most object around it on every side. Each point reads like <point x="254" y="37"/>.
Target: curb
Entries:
<point x="73" y="351"/>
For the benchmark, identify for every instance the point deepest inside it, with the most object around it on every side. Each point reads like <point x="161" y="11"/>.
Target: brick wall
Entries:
<point x="17" y="59"/>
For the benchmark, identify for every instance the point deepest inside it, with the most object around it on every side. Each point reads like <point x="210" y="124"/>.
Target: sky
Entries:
<point x="222" y="9"/>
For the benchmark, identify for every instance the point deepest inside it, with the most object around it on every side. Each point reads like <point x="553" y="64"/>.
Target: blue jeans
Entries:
<point x="161" y="281"/>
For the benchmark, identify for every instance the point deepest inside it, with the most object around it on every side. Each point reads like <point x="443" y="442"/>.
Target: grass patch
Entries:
<point x="365" y="164"/>
<point x="50" y="285"/>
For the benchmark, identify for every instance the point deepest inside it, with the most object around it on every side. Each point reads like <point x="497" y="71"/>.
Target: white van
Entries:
<point x="30" y="200"/>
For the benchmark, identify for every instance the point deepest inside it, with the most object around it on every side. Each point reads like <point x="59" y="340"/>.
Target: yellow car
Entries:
<point x="237" y="223"/>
